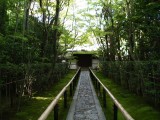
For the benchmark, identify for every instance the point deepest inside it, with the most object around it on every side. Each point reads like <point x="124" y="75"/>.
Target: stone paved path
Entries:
<point x="85" y="105"/>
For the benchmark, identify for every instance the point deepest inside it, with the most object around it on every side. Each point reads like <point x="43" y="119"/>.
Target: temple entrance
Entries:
<point x="84" y="60"/>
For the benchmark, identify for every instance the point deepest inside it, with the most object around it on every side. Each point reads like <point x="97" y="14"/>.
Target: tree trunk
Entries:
<point x="55" y="33"/>
<point x="3" y="15"/>
<point x="130" y="31"/>
<point x="27" y="5"/>
<point x="112" y="39"/>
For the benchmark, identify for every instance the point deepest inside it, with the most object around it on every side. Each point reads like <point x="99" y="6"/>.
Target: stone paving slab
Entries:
<point x="85" y="105"/>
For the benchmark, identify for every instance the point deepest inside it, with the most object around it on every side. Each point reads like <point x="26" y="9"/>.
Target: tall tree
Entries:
<point x="3" y="16"/>
<point x="27" y="4"/>
<point x="55" y="33"/>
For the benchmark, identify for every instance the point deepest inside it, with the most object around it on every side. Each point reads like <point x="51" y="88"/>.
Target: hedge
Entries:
<point x="140" y="77"/>
<point x="22" y="81"/>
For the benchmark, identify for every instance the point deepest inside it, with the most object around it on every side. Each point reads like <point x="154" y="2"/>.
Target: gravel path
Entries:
<point x="85" y="105"/>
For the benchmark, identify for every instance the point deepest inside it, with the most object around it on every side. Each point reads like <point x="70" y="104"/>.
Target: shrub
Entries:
<point x="141" y="77"/>
<point x="23" y="80"/>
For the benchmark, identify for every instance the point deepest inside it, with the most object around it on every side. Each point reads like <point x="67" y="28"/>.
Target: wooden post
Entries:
<point x="71" y="89"/>
<point x="73" y="84"/>
<point x="99" y="87"/>
<point x="65" y="99"/>
<point x="56" y="112"/>
<point x="77" y="76"/>
<point x="115" y="110"/>
<point x="96" y="84"/>
<point x="104" y="98"/>
<point x="94" y="80"/>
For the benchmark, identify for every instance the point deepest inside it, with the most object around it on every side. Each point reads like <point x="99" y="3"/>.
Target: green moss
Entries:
<point x="136" y="106"/>
<point x="32" y="109"/>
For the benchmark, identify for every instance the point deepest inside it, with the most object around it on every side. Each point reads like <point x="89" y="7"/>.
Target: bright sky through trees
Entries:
<point x="79" y="20"/>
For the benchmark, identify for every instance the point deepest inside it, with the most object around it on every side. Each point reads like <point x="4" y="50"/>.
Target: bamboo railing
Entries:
<point x="116" y="106"/>
<point x="54" y="104"/>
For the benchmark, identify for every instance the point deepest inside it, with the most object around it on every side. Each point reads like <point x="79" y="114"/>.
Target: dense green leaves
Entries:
<point x="135" y="25"/>
<point x="141" y="78"/>
<point x="3" y="16"/>
<point x="29" y="48"/>
<point x="131" y="54"/>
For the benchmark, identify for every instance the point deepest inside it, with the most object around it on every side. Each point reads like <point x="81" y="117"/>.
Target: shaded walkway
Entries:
<point x="85" y="105"/>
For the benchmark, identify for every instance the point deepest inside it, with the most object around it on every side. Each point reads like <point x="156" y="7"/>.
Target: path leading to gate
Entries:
<point x="85" y="104"/>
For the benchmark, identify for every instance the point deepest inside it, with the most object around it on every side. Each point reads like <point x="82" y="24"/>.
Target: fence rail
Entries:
<point x="63" y="92"/>
<point x="117" y="106"/>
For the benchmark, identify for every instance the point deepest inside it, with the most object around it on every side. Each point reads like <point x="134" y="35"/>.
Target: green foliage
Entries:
<point x="42" y="75"/>
<point x="131" y="53"/>
<point x="141" y="78"/>
<point x="135" y="105"/>
<point x="33" y="108"/>
<point x="22" y="81"/>
<point x="18" y="49"/>
<point x="26" y="50"/>
<point x="134" y="27"/>
<point x="10" y="72"/>
<point x="3" y="16"/>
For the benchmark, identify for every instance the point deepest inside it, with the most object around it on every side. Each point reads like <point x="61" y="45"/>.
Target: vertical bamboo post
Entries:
<point x="73" y="84"/>
<point x="104" y="98"/>
<point x="99" y="89"/>
<point x="115" y="110"/>
<point x="56" y="112"/>
<point x="65" y="99"/>
<point x="96" y="83"/>
<point x="71" y="89"/>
